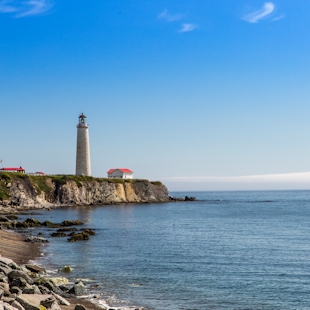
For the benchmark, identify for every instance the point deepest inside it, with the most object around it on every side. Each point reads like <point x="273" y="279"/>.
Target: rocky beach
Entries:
<point x="24" y="285"/>
<point x="27" y="286"/>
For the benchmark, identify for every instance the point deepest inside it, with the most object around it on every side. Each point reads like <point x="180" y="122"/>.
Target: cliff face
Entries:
<point x="42" y="191"/>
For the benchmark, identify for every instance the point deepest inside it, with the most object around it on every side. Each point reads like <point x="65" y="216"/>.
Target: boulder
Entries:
<point x="9" y="300"/>
<point x="89" y="231"/>
<point x="35" y="239"/>
<point x="18" y="282"/>
<point x="71" y="223"/>
<point x="6" y="288"/>
<point x="5" y="269"/>
<point x="16" y="290"/>
<point x="79" y="307"/>
<point x="50" y="304"/>
<point x="12" y="217"/>
<point x="64" y="288"/>
<point x="50" y="285"/>
<point x="3" y="278"/>
<point x="1" y="293"/>
<point x="66" y="269"/>
<point x="58" y="234"/>
<point x="31" y="222"/>
<point x="44" y="290"/>
<point x="50" y="224"/>
<point x="1" y="305"/>
<point x="59" y="280"/>
<point x="40" y="281"/>
<point x="17" y="305"/>
<point x="15" y="274"/>
<point x="78" y="289"/>
<point x="61" y="300"/>
<point x="36" y="269"/>
<point x="78" y="237"/>
<point x="32" y="301"/>
<point x="12" y="296"/>
<point x="15" y="266"/>
<point x="5" y="260"/>
<point x="189" y="198"/>
<point x="31" y="290"/>
<point x="7" y="306"/>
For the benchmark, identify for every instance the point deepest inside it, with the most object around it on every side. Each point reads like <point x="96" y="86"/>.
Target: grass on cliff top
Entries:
<point x="5" y="179"/>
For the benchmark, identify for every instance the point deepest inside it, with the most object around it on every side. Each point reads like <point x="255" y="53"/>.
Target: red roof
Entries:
<point x="13" y="169"/>
<point x="125" y="170"/>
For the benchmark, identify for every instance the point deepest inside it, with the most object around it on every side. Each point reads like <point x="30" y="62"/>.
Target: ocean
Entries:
<point x="227" y="250"/>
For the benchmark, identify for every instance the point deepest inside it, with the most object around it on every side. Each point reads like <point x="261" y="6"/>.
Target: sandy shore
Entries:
<point x="13" y="246"/>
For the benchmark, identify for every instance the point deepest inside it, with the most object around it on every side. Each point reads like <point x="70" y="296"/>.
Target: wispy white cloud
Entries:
<point x="25" y="8"/>
<point x="5" y="7"/>
<point x="188" y="27"/>
<point x="255" y="17"/>
<point x="278" y="17"/>
<point x="36" y="7"/>
<point x="168" y="17"/>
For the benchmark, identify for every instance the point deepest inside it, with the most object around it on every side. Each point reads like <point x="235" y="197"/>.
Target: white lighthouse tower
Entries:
<point x="82" y="148"/>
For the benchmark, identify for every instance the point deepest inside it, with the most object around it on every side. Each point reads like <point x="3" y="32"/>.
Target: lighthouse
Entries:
<point x="82" y="148"/>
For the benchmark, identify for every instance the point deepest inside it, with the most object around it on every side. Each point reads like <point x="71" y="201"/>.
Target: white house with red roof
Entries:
<point x="15" y="169"/>
<point x="120" y="173"/>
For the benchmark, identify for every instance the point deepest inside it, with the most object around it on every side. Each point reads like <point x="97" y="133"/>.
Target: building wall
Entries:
<point x="128" y="176"/>
<point x="82" y="152"/>
<point x="120" y="175"/>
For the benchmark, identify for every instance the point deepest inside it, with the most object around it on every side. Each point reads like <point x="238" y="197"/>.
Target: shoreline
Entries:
<point x="13" y="246"/>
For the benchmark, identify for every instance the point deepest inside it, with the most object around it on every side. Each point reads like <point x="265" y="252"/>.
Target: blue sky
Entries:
<point x="180" y="91"/>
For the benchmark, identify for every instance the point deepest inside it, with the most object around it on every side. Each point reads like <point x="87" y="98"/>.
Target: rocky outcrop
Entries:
<point x="25" y="191"/>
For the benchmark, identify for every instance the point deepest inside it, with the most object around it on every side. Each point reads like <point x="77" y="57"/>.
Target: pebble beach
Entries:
<point x="37" y="290"/>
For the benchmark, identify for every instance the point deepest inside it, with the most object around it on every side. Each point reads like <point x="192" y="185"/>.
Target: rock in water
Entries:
<point x="34" y="239"/>
<point x="59" y="280"/>
<point x="78" y="289"/>
<point x="66" y="269"/>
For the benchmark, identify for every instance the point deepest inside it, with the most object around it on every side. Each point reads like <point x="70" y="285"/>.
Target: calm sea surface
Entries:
<point x="229" y="250"/>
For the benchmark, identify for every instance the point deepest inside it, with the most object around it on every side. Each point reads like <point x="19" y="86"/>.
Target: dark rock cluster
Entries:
<point x="6" y="222"/>
<point x="74" y="235"/>
<point x="24" y="287"/>
<point x="65" y="229"/>
<point x="186" y="198"/>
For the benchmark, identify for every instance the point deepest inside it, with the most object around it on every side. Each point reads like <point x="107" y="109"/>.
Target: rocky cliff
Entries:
<point x="25" y="191"/>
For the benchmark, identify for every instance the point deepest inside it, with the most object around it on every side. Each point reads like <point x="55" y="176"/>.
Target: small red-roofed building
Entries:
<point x="20" y="169"/>
<point x="120" y="173"/>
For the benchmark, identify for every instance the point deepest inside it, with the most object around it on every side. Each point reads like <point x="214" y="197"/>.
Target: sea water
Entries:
<point x="227" y="250"/>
